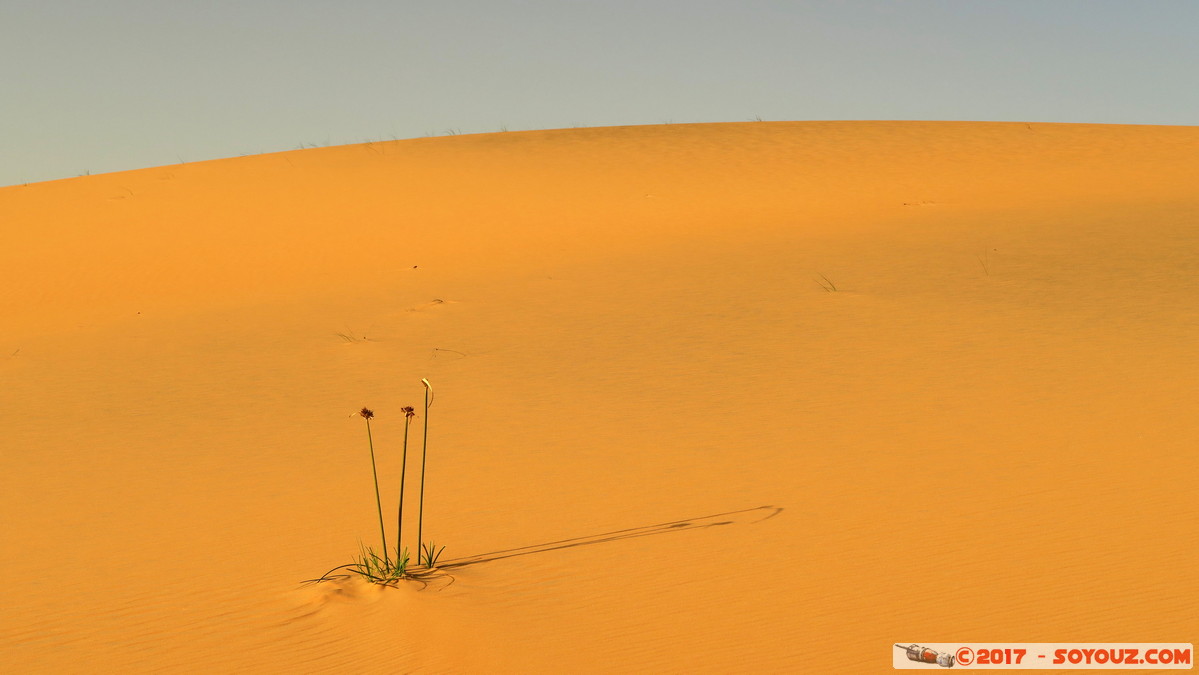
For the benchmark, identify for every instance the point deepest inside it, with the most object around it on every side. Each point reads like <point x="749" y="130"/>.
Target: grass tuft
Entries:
<point x="378" y="570"/>
<point x="429" y="553"/>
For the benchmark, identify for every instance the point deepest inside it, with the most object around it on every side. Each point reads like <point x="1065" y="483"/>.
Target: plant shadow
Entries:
<point x="742" y="517"/>
<point x="439" y="577"/>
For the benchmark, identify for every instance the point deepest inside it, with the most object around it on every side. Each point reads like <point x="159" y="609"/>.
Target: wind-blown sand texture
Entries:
<point x="661" y="441"/>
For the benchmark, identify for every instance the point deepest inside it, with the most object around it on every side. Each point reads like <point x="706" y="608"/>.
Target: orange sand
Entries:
<point x="986" y="433"/>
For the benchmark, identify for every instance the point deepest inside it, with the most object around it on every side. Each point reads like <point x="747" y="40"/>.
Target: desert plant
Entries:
<point x="409" y="413"/>
<point x="429" y="553"/>
<point x="367" y="414"/>
<point x="420" y="510"/>
<point x="383" y="569"/>
<point x="380" y="571"/>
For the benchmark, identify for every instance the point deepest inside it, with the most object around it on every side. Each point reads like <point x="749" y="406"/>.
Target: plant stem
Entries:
<point x="403" y="470"/>
<point x="424" y="455"/>
<point x="378" y="499"/>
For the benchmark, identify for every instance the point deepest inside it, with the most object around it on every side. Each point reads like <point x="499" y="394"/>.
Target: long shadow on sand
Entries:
<point x="439" y="577"/>
<point x="742" y="517"/>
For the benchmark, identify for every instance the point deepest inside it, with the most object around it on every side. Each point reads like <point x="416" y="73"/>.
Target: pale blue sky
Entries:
<point x="110" y="85"/>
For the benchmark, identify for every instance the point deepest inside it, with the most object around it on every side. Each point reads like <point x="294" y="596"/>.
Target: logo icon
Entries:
<point x="926" y="655"/>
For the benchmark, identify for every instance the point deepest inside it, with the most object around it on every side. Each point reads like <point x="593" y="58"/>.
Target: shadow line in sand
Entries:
<point x="742" y="517"/>
<point x="424" y="577"/>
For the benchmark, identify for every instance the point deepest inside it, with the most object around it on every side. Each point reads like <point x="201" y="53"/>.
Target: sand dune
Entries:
<point x="662" y="441"/>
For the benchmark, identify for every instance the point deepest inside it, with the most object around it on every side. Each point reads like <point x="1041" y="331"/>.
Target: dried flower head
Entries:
<point x="367" y="413"/>
<point x="408" y="411"/>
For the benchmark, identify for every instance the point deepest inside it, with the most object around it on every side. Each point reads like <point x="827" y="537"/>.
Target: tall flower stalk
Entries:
<point x="367" y="414"/>
<point x="424" y="455"/>
<point x="409" y="413"/>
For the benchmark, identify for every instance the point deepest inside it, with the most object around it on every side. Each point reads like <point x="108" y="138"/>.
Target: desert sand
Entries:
<point x="761" y="397"/>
